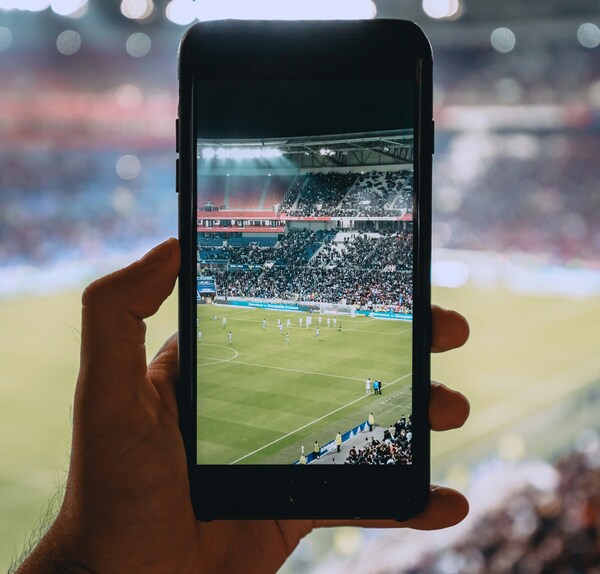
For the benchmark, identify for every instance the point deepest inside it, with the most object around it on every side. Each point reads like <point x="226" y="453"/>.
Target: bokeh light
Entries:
<point x="68" y="42"/>
<point x="129" y="97"/>
<point x="588" y="35"/>
<point x="503" y="39"/>
<point x="73" y="8"/>
<point x="128" y="167"/>
<point x="137" y="9"/>
<point x="138" y="44"/>
<point x="182" y="12"/>
<point x="441" y="8"/>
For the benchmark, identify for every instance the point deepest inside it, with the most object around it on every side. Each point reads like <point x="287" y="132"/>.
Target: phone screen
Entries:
<point x="305" y="255"/>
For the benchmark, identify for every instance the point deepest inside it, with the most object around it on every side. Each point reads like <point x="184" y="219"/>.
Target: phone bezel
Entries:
<point x="351" y="50"/>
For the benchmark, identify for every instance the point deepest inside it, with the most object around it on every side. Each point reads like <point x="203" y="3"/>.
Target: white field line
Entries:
<point x="216" y="361"/>
<point x="401" y="332"/>
<point x="315" y="421"/>
<point x="296" y="371"/>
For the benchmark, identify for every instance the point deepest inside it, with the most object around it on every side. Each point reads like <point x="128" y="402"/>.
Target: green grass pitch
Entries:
<point x="260" y="398"/>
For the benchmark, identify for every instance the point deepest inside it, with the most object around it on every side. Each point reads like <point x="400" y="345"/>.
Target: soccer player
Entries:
<point x="320" y="319"/>
<point x="199" y="335"/>
<point x="334" y="321"/>
<point x="300" y="321"/>
<point x="230" y="337"/>
<point x="317" y="450"/>
<point x="264" y="323"/>
<point x="328" y="322"/>
<point x="318" y="332"/>
<point x="279" y="322"/>
<point x="368" y="385"/>
<point x="340" y="328"/>
<point x="281" y="328"/>
<point x="224" y="322"/>
<point x="288" y="323"/>
<point x="287" y="338"/>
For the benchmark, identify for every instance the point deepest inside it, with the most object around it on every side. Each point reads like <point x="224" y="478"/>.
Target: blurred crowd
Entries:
<point x="58" y="205"/>
<point x="506" y="186"/>
<point x="533" y="193"/>
<point x="536" y="531"/>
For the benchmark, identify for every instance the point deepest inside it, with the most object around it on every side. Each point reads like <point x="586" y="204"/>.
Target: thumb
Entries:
<point x="113" y="354"/>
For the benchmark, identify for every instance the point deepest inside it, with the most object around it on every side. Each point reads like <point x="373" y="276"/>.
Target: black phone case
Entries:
<point x="301" y="50"/>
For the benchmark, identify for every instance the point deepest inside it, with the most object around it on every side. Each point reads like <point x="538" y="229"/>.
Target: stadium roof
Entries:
<point x="336" y="150"/>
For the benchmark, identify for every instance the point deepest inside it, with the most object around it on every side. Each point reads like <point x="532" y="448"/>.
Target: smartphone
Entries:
<point x="304" y="181"/>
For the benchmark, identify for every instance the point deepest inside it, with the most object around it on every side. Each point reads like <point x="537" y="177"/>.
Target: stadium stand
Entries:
<point x="378" y="194"/>
<point x="322" y="266"/>
<point x="319" y="195"/>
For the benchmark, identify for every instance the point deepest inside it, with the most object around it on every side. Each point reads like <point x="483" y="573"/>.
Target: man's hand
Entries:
<point x="127" y="506"/>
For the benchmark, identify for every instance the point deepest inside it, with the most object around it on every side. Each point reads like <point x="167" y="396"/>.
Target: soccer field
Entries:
<point x="261" y="398"/>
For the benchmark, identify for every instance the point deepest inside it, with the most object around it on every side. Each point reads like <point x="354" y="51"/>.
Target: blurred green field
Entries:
<point x="525" y="353"/>
<point x="260" y="398"/>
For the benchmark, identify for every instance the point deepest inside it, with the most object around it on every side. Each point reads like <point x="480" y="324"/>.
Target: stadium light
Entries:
<point x="588" y="35"/>
<point x="236" y="153"/>
<point x="25" y="5"/>
<point x="182" y="12"/>
<point x="138" y="44"/>
<point x="326" y="151"/>
<point x="186" y="11"/>
<point x="72" y="8"/>
<point x="439" y="9"/>
<point x="137" y="9"/>
<point x="128" y="167"/>
<point x="503" y="39"/>
<point x="68" y="42"/>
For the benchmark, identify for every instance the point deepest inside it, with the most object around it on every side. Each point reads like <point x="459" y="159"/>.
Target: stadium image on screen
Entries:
<point x="304" y="300"/>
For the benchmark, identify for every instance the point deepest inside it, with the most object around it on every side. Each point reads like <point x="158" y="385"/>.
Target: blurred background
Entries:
<point x="88" y="97"/>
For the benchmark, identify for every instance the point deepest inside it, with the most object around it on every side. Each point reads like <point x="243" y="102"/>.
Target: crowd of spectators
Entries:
<point x="535" y="531"/>
<point x="367" y="270"/>
<point x="394" y="448"/>
<point x="334" y="194"/>
<point x="319" y="195"/>
<point x="377" y="194"/>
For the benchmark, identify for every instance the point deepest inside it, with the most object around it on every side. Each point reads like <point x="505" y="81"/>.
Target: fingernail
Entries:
<point x="159" y="254"/>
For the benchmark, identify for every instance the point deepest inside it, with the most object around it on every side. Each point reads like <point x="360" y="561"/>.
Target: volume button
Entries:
<point x="177" y="175"/>
<point x="177" y="135"/>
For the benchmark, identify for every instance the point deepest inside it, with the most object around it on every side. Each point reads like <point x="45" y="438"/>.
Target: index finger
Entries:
<point x="450" y="330"/>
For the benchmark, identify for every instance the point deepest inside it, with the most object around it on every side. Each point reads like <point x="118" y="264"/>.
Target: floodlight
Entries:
<point x="68" y="7"/>
<point x="208" y="153"/>
<point x="441" y="8"/>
